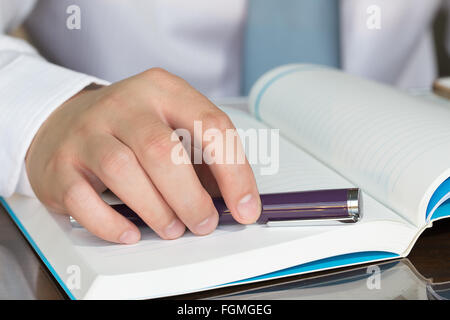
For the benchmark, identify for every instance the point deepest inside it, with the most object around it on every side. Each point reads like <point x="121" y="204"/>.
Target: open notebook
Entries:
<point x="337" y="131"/>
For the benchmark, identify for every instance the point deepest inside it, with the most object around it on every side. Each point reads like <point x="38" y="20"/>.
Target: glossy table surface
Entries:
<point x="425" y="274"/>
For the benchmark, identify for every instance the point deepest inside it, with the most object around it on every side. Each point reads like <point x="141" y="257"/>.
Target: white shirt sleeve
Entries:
<point x="30" y="90"/>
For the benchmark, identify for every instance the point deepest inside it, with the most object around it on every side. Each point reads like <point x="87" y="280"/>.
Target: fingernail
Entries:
<point x="248" y="208"/>
<point x="208" y="225"/>
<point x="175" y="229"/>
<point x="129" y="237"/>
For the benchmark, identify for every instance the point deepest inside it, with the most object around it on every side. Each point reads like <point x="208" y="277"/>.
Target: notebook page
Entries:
<point x="395" y="146"/>
<point x="297" y="171"/>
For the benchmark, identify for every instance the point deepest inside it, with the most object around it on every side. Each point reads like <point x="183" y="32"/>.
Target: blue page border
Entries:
<point x="331" y="262"/>
<point x="444" y="209"/>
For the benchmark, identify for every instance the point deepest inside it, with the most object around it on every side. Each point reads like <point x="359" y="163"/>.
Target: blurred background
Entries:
<point x="440" y="27"/>
<point x="306" y="32"/>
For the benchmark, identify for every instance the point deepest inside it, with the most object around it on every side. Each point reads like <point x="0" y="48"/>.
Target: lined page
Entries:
<point x="395" y="146"/>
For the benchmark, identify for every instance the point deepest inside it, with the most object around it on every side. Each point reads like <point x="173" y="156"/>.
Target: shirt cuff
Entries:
<point x="30" y="90"/>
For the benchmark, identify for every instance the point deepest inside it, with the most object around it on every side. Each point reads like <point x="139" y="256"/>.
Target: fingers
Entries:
<point x="84" y="204"/>
<point x="233" y="173"/>
<point x="121" y="137"/>
<point x="178" y="184"/>
<point x="117" y="167"/>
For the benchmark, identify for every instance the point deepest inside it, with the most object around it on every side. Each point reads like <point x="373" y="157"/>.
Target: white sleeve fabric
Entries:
<point x="30" y="90"/>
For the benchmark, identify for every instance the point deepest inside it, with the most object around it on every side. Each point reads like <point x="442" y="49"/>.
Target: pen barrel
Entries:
<point x="337" y="204"/>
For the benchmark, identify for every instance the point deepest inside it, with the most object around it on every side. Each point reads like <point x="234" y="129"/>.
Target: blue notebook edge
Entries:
<point x="444" y="209"/>
<point x="326" y="263"/>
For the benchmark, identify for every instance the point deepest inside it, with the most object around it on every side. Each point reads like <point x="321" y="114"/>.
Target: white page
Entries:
<point x="395" y="146"/>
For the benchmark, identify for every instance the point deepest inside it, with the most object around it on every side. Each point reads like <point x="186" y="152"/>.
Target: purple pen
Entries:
<point x="319" y="207"/>
<point x="304" y="208"/>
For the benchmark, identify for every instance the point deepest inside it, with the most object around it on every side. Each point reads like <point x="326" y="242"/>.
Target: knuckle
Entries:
<point x="59" y="162"/>
<point x="165" y="81"/>
<point x="157" y="146"/>
<point x="216" y="119"/>
<point x="115" y="161"/>
<point x="77" y="193"/>
<point x="157" y="73"/>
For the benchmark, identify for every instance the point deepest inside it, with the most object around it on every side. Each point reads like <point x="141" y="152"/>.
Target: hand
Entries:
<point x="119" y="137"/>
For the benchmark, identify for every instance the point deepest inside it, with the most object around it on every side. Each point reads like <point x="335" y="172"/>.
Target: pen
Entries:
<point x="304" y="208"/>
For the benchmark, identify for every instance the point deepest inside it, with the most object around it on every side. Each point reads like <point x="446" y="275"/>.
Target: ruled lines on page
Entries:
<point x="394" y="145"/>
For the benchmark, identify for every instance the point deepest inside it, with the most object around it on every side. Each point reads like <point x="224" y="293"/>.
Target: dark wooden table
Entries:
<point x="23" y="276"/>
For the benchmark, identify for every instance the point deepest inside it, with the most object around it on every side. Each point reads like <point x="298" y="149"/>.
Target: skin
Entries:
<point x="119" y="137"/>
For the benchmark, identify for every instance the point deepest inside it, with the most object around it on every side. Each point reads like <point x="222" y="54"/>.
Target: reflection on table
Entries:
<point x="424" y="275"/>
